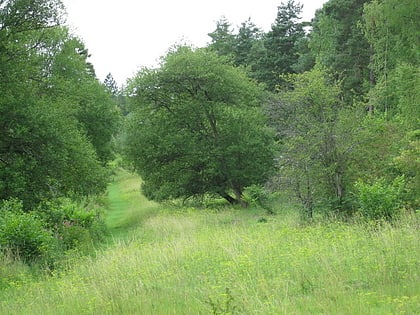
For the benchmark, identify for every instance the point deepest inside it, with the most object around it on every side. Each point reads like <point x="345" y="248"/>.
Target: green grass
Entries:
<point x="127" y="207"/>
<point x="228" y="261"/>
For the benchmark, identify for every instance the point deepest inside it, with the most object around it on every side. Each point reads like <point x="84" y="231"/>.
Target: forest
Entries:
<point x="307" y="134"/>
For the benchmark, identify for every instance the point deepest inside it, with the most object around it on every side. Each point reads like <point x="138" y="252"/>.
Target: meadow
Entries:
<point x="167" y="259"/>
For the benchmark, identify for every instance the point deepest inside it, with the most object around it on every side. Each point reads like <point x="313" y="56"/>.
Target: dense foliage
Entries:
<point x="342" y="96"/>
<point x="197" y="128"/>
<point x="56" y="119"/>
<point x="318" y="141"/>
<point x="338" y="43"/>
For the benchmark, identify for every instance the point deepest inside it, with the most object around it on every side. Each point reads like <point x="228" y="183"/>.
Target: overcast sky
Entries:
<point x="124" y="35"/>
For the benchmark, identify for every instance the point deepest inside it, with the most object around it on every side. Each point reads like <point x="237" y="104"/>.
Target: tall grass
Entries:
<point x="190" y="261"/>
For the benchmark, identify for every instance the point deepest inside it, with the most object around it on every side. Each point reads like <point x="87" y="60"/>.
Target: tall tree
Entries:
<point x="391" y="28"/>
<point x="74" y="80"/>
<point x="197" y="128"/>
<point x="45" y="147"/>
<point x="339" y="44"/>
<point x="318" y="136"/>
<point x="248" y="35"/>
<point x="111" y="84"/>
<point x="222" y="38"/>
<point x="281" y="45"/>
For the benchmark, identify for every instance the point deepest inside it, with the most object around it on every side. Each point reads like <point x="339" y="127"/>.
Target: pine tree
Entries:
<point x="281" y="46"/>
<point x="222" y="38"/>
<point x="339" y="44"/>
<point x="111" y="84"/>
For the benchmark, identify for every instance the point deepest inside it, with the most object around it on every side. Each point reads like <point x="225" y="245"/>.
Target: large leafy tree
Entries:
<point x="197" y="128"/>
<point x="49" y="145"/>
<point x="73" y="79"/>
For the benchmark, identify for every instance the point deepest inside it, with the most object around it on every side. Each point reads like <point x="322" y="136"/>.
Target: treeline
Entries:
<point x="341" y="94"/>
<point x="56" y="123"/>
<point x="346" y="102"/>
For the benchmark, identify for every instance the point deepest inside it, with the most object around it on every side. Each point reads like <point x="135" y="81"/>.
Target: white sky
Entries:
<point x="124" y="35"/>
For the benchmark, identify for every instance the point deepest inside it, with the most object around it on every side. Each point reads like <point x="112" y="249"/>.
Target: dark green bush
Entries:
<point x="61" y="211"/>
<point x="73" y="224"/>
<point x="24" y="234"/>
<point x="47" y="232"/>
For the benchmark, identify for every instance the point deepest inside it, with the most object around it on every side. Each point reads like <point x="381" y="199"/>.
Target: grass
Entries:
<point x="127" y="208"/>
<point x="229" y="261"/>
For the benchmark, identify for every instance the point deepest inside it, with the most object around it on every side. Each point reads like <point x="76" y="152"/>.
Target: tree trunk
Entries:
<point x="229" y="198"/>
<point x="239" y="198"/>
<point x="234" y="201"/>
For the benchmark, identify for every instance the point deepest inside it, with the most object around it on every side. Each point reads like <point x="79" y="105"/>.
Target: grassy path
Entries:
<point x="169" y="261"/>
<point x="127" y="206"/>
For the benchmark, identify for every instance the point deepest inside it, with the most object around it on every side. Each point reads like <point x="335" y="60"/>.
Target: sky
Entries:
<point x="124" y="35"/>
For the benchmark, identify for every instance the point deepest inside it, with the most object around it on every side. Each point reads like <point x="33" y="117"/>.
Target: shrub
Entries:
<point x="46" y="233"/>
<point x="74" y="236"/>
<point x="380" y="200"/>
<point x="408" y="162"/>
<point x="59" y="211"/>
<point x="73" y="224"/>
<point x="24" y="234"/>
<point x="257" y="195"/>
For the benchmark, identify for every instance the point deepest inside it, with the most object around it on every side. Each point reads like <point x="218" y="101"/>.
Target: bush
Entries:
<point x="61" y="211"/>
<point x="258" y="196"/>
<point x="408" y="163"/>
<point x="72" y="224"/>
<point x="47" y="232"/>
<point x="24" y="234"/>
<point x="74" y="236"/>
<point x="380" y="200"/>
